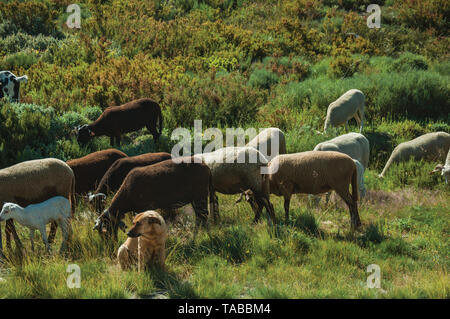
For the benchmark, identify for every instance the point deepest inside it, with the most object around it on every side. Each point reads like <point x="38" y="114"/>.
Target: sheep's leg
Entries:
<point x="265" y="200"/>
<point x="361" y="113"/>
<point x="111" y="140"/>
<point x="64" y="229"/>
<point x="52" y="233"/>
<point x="32" y="239"/>
<point x="10" y="229"/>
<point x="215" y="208"/>
<point x="118" y="140"/>
<point x="352" y="206"/>
<point x="44" y="238"/>
<point x="346" y="126"/>
<point x="201" y="214"/>
<point x="287" y="202"/>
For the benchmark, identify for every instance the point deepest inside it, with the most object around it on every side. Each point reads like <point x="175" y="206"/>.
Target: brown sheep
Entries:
<point x="315" y="172"/>
<point x="128" y="117"/>
<point x="33" y="182"/>
<point x="165" y="185"/>
<point x="115" y="175"/>
<point x="89" y="169"/>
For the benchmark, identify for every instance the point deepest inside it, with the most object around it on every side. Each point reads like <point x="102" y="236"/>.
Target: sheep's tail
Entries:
<point x="355" y="185"/>
<point x="72" y="198"/>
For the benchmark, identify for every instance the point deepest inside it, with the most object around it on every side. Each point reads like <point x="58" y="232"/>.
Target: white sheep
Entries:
<point x="354" y="145"/>
<point x="36" y="216"/>
<point x="444" y="169"/>
<point x="346" y="107"/>
<point x="237" y="169"/>
<point x="268" y="138"/>
<point x="430" y="147"/>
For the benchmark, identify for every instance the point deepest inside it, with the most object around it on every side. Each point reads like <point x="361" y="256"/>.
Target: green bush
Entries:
<point x="409" y="61"/>
<point x="263" y="79"/>
<point x="18" y="60"/>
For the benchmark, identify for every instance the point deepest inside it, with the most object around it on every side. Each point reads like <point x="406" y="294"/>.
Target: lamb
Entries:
<point x="115" y="175"/>
<point x="235" y="170"/>
<point x="314" y="172"/>
<point x="444" y="169"/>
<point x="267" y="138"/>
<point x="429" y="147"/>
<point x="165" y="185"/>
<point x="90" y="169"/>
<point x="10" y="85"/>
<point x="354" y="145"/>
<point x="349" y="105"/>
<point x="32" y="182"/>
<point x="36" y="216"/>
<point x="116" y="120"/>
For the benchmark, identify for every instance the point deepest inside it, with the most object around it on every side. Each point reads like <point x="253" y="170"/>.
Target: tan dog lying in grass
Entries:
<point x="145" y="243"/>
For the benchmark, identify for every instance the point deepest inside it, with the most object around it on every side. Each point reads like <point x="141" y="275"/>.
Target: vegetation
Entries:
<point x="236" y="63"/>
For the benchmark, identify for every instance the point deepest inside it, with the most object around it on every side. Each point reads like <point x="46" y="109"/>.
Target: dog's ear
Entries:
<point x="154" y="220"/>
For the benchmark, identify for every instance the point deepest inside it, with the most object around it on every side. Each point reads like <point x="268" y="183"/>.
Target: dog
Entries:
<point x="146" y="241"/>
<point x="10" y="85"/>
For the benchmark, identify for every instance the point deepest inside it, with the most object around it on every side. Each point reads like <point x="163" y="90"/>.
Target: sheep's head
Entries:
<point x="105" y="224"/>
<point x="9" y="211"/>
<point x="249" y="197"/>
<point x="438" y="168"/>
<point x="84" y="133"/>
<point x="97" y="201"/>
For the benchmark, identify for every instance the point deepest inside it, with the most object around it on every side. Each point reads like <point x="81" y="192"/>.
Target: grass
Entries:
<point x="315" y="255"/>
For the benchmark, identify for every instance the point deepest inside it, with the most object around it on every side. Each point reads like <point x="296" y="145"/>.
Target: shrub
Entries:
<point x="409" y="61"/>
<point x="18" y="60"/>
<point x="263" y="79"/>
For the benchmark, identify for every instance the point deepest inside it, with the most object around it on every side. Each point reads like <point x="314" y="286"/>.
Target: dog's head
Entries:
<point x="150" y="223"/>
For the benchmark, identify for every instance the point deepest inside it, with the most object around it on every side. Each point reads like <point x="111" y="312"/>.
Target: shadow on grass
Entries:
<point x="169" y="283"/>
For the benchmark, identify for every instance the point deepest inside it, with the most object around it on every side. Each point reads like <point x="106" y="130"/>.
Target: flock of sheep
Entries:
<point x="35" y="193"/>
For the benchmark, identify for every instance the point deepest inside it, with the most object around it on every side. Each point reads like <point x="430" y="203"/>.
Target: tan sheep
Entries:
<point x="314" y="173"/>
<point x="429" y="147"/>
<point x="237" y="169"/>
<point x="346" y="107"/>
<point x="33" y="182"/>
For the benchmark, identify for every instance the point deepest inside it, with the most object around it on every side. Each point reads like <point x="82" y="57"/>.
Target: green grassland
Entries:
<point x="235" y="63"/>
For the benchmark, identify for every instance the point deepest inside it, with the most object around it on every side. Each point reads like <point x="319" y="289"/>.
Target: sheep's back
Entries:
<point x="35" y="181"/>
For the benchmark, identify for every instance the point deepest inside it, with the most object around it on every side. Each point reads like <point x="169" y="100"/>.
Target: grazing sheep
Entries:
<point x="165" y="185"/>
<point x="444" y="169"/>
<point x="10" y="85"/>
<point x="265" y="139"/>
<point x="430" y="147"/>
<point x="116" y="120"/>
<point x="32" y="182"/>
<point x="89" y="169"/>
<point x="115" y="175"/>
<point x="345" y="108"/>
<point x="36" y="216"/>
<point x="354" y="145"/>
<point x="316" y="172"/>
<point x="145" y="243"/>
<point x="235" y="170"/>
